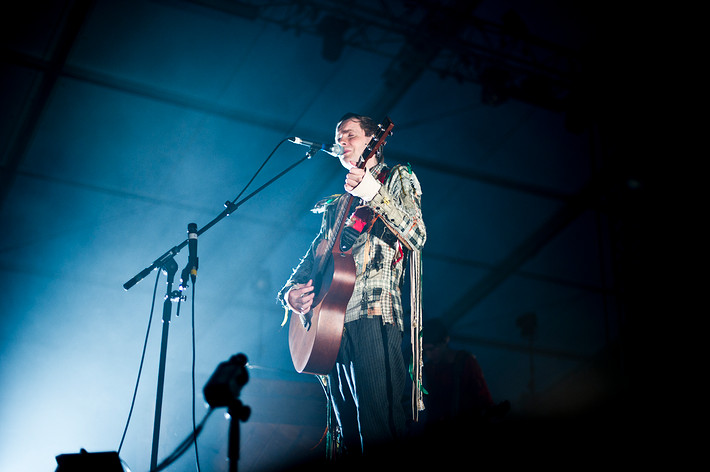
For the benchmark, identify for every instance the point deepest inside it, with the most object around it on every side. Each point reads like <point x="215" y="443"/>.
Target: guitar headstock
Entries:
<point x="378" y="140"/>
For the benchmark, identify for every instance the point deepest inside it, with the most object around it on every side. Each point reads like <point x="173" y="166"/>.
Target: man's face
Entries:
<point x="354" y="140"/>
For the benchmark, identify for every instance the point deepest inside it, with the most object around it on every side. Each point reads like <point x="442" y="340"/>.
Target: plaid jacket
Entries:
<point x="381" y="249"/>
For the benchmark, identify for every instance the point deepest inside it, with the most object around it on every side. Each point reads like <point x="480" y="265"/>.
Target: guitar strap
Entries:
<point x="361" y="218"/>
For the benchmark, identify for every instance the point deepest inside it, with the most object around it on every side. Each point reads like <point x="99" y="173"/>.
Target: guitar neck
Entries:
<point x="377" y="141"/>
<point x="343" y="207"/>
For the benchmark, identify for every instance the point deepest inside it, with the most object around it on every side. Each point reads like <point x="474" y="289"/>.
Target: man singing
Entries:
<point x="368" y="380"/>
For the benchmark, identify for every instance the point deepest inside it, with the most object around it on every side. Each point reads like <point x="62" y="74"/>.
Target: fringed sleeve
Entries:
<point x="415" y="273"/>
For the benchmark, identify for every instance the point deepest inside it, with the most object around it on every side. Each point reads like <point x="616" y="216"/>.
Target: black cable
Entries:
<point x="259" y="170"/>
<point x="184" y="445"/>
<point x="140" y="368"/>
<point x="194" y="394"/>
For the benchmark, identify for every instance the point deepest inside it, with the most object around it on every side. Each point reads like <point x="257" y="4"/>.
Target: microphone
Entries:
<point x="335" y="150"/>
<point x="192" y="260"/>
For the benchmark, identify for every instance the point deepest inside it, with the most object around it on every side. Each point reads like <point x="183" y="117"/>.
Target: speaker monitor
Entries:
<point x="89" y="462"/>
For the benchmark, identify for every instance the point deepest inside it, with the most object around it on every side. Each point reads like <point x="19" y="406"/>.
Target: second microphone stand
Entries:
<point x="170" y="267"/>
<point x="167" y="263"/>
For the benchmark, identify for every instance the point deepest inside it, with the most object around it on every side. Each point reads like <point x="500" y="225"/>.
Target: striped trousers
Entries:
<point x="367" y="384"/>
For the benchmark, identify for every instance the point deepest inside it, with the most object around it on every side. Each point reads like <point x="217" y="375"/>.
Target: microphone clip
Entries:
<point x="184" y="277"/>
<point x="177" y="296"/>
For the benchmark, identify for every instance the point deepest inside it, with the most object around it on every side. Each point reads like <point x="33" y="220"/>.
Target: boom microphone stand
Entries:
<point x="170" y="267"/>
<point x="168" y="264"/>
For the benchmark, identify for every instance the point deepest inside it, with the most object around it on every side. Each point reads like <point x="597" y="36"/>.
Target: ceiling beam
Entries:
<point x="417" y="53"/>
<point x="70" y="26"/>
<point x="278" y="126"/>
<point x="445" y="37"/>
<point x="522" y="253"/>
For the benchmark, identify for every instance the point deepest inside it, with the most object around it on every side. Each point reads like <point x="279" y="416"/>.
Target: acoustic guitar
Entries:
<point x="314" y="338"/>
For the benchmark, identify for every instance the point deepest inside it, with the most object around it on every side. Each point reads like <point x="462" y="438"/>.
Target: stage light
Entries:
<point x="223" y="389"/>
<point x="225" y="384"/>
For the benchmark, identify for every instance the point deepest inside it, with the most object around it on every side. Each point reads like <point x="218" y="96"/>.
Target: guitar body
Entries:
<point x="315" y="347"/>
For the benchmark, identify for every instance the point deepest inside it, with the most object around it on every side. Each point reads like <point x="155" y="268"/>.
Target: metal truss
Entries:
<point x="443" y="36"/>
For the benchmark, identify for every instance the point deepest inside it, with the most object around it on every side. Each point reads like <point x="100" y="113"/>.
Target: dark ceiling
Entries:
<point x="123" y="121"/>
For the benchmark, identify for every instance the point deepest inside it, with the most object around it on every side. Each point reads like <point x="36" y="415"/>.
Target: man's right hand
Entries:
<point x="301" y="296"/>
